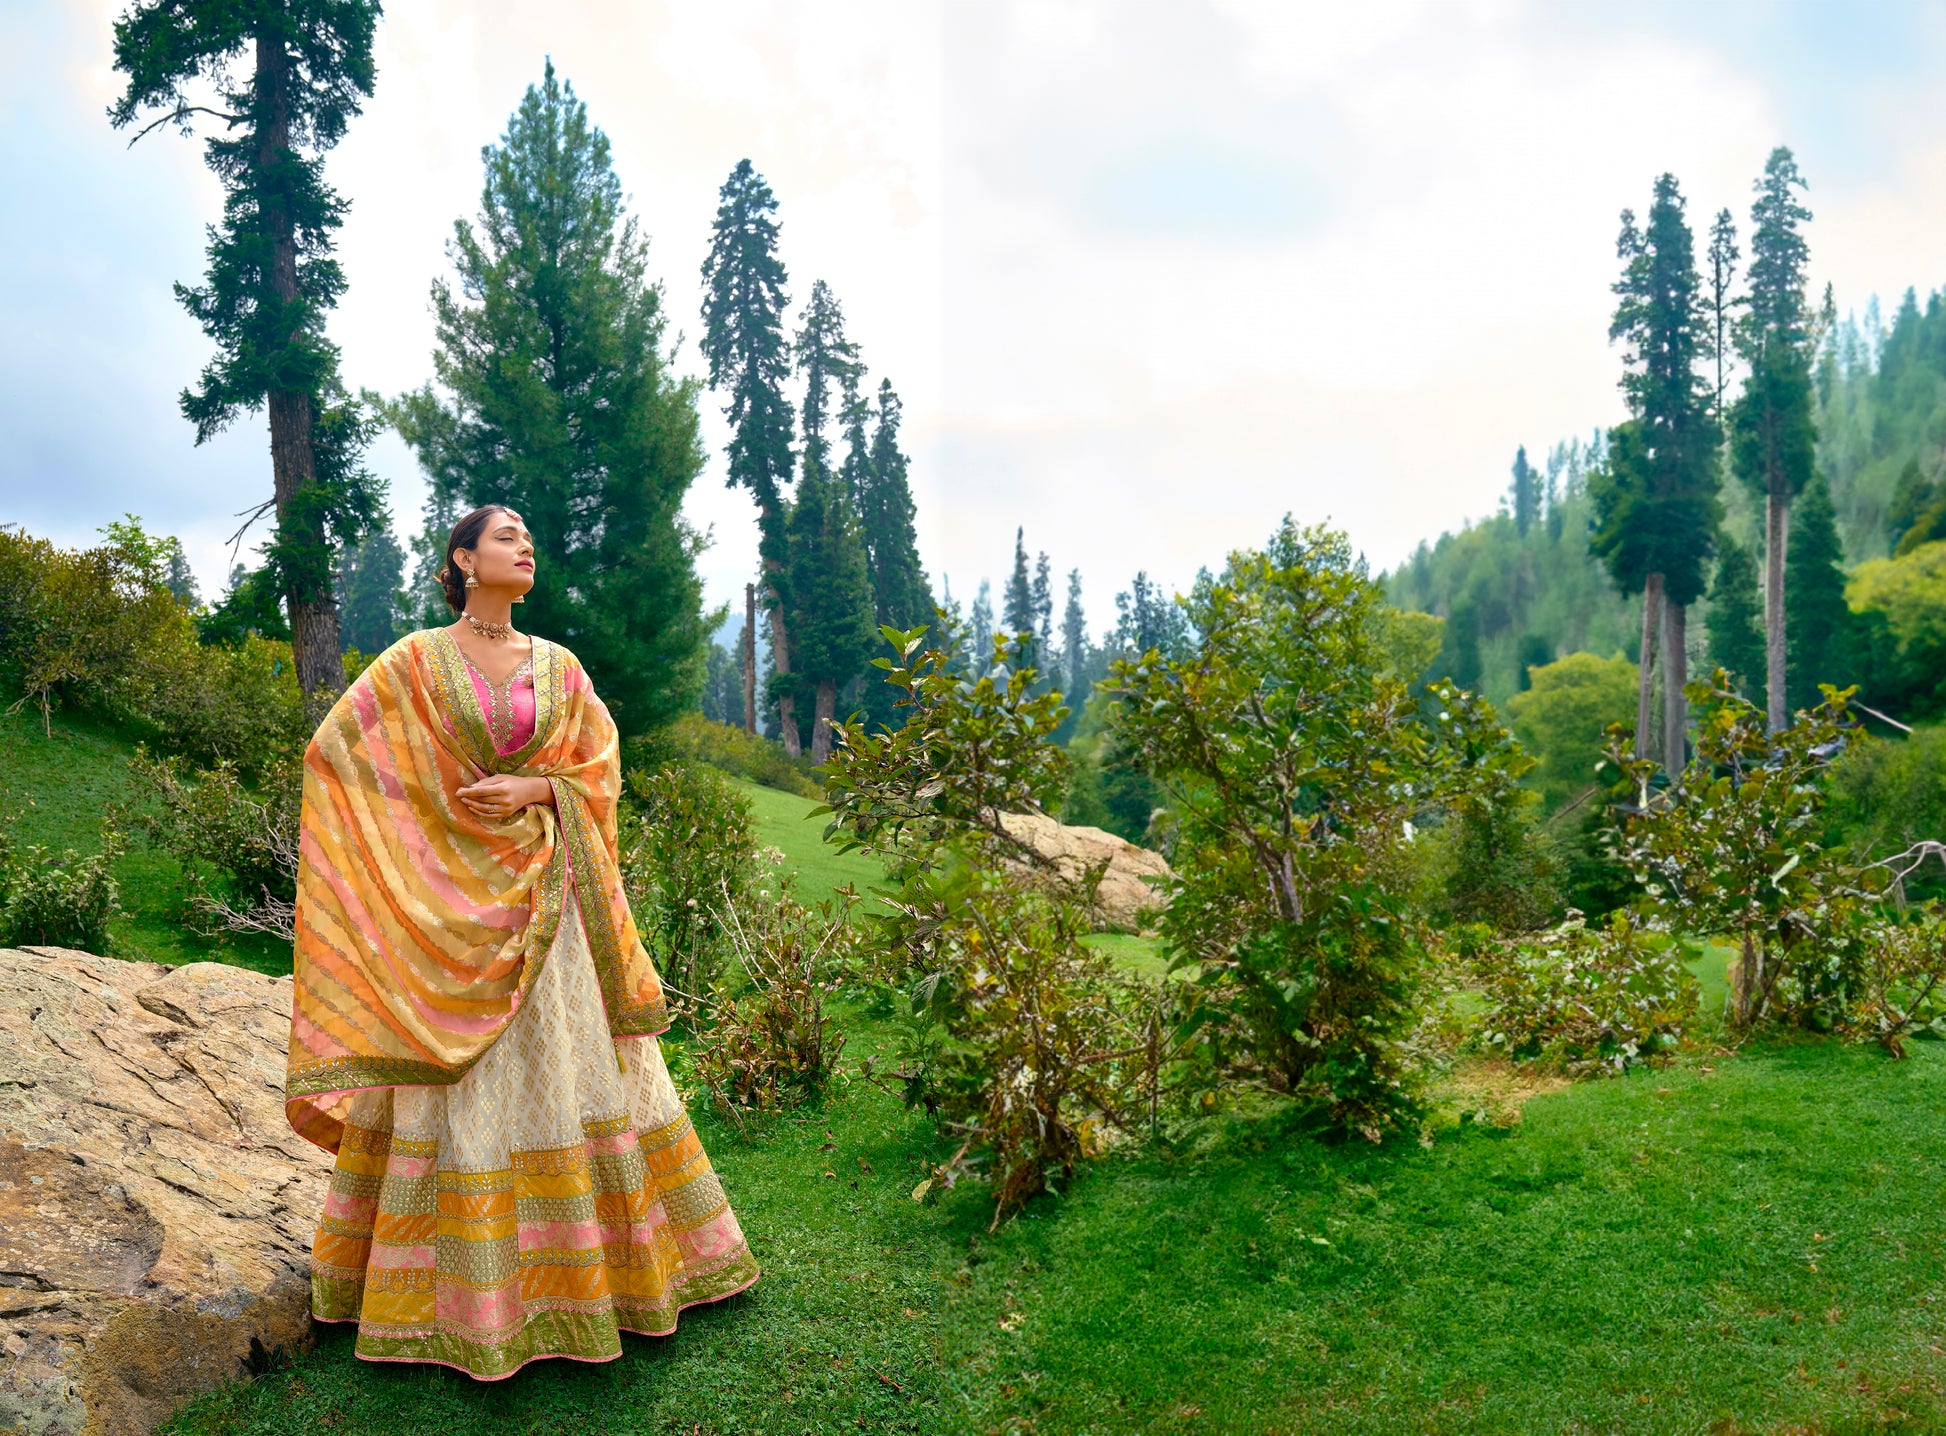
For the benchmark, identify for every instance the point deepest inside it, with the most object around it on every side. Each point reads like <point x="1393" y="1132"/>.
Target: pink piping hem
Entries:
<point x="543" y="1355"/>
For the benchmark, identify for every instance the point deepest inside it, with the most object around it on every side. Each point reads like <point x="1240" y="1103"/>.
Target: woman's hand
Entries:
<point x="503" y="795"/>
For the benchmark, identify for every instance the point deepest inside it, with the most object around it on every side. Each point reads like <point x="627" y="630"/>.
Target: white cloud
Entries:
<point x="1147" y="274"/>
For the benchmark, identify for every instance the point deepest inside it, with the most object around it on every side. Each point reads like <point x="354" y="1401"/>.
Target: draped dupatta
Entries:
<point x="421" y="926"/>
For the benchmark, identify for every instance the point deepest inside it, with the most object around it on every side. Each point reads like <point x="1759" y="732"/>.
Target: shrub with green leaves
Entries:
<point x="1297" y="763"/>
<point x="1736" y="844"/>
<point x="98" y="629"/>
<point x="765" y="1042"/>
<point x="237" y="844"/>
<point x="686" y="852"/>
<point x="1024" y="1043"/>
<point x="1588" y="999"/>
<point x="1900" y="978"/>
<point x="692" y="738"/>
<point x="1020" y="1039"/>
<point x="65" y="901"/>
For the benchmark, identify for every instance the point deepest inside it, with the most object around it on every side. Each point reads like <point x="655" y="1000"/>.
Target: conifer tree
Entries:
<point x="901" y="594"/>
<point x="559" y="402"/>
<point x="1819" y="620"/>
<point x="1657" y="506"/>
<point x="177" y="575"/>
<point x="1723" y="257"/>
<point x="271" y="277"/>
<point x="1017" y="611"/>
<point x="1912" y="496"/>
<point x="1044" y="610"/>
<point x="1074" y="645"/>
<point x="1772" y="435"/>
<point x="1736" y="640"/>
<point x="826" y="359"/>
<point x="1526" y="492"/>
<point x="371" y="598"/>
<point x="980" y="630"/>
<point x="831" y="613"/>
<point x="749" y="361"/>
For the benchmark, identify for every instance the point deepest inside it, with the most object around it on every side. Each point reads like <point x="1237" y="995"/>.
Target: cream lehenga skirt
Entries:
<point x="553" y="1198"/>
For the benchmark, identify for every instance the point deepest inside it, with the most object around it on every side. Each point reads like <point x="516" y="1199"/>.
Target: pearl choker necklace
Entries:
<point x="487" y="629"/>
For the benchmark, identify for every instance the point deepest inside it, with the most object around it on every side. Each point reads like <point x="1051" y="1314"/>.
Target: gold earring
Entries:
<point x="520" y="598"/>
<point x="471" y="582"/>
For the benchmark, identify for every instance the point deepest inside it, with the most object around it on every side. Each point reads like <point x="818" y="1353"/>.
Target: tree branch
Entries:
<point x="183" y="112"/>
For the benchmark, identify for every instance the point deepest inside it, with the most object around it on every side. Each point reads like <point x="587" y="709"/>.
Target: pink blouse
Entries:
<point x="509" y="708"/>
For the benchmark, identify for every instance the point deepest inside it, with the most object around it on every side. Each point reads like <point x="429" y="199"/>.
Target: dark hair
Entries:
<point x="466" y="534"/>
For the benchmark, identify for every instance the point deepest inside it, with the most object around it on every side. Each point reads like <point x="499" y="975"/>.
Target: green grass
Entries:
<point x="782" y="821"/>
<point x="1753" y="1249"/>
<point x="53" y="793"/>
<point x="1741" y="1243"/>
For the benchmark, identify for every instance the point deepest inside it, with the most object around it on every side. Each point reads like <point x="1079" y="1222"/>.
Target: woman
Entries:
<point x="474" y="1024"/>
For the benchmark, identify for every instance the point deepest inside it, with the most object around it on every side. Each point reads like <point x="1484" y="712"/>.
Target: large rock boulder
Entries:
<point x="155" y="1209"/>
<point x="1127" y="897"/>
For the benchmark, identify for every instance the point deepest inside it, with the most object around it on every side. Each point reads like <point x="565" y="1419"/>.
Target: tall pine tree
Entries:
<point x="1074" y="645"/>
<point x="1664" y="528"/>
<point x="1017" y="610"/>
<point x="1526" y="492"/>
<point x="901" y="594"/>
<point x="371" y="596"/>
<point x="559" y="403"/>
<point x="1773" y="437"/>
<point x="749" y="362"/>
<point x="1819" y="620"/>
<point x="1735" y="630"/>
<point x="271" y="277"/>
<point x="831" y="612"/>
<point x="1723" y="257"/>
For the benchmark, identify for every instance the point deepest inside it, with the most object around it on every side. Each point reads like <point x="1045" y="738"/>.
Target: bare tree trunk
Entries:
<point x="1645" y="744"/>
<point x="827" y="709"/>
<point x="749" y="656"/>
<point x="293" y="461"/>
<point x="1675" y="674"/>
<point x="1777" y="527"/>
<point x="780" y="643"/>
<point x="1744" y="991"/>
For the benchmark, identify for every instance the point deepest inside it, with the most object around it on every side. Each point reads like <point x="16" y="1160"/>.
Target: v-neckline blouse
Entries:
<point x="509" y="707"/>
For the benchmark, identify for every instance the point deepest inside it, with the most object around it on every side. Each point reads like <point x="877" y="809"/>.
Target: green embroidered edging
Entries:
<point x="588" y="1336"/>
<point x="346" y="1074"/>
<point x="335" y="1298"/>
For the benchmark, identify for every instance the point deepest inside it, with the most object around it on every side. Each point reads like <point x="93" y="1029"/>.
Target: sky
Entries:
<point x="1148" y="274"/>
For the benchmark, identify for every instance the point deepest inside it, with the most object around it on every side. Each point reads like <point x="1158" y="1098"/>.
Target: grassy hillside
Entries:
<point x="1744" y="1242"/>
<point x="54" y="792"/>
<point x="783" y="821"/>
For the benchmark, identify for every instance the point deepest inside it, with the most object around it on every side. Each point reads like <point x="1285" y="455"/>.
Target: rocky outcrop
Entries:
<point x="1127" y="897"/>
<point x="155" y="1209"/>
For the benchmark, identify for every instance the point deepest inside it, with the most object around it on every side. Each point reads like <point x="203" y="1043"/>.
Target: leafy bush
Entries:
<point x="1735" y="844"/>
<point x="1298" y="762"/>
<point x="1889" y="794"/>
<point x="692" y="738"/>
<point x="237" y="846"/>
<point x="1017" y="1036"/>
<point x="1589" y="999"/>
<point x="67" y="901"/>
<point x="1901" y="980"/>
<point x="686" y="855"/>
<point x="1022" y="1041"/>
<point x="1493" y="864"/>
<point x="98" y="629"/>
<point x="767" y="1044"/>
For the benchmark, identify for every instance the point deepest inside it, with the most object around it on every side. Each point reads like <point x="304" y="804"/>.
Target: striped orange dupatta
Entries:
<point x="421" y="926"/>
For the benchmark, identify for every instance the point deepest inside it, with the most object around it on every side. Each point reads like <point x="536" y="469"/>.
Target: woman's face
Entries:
<point x="504" y="556"/>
